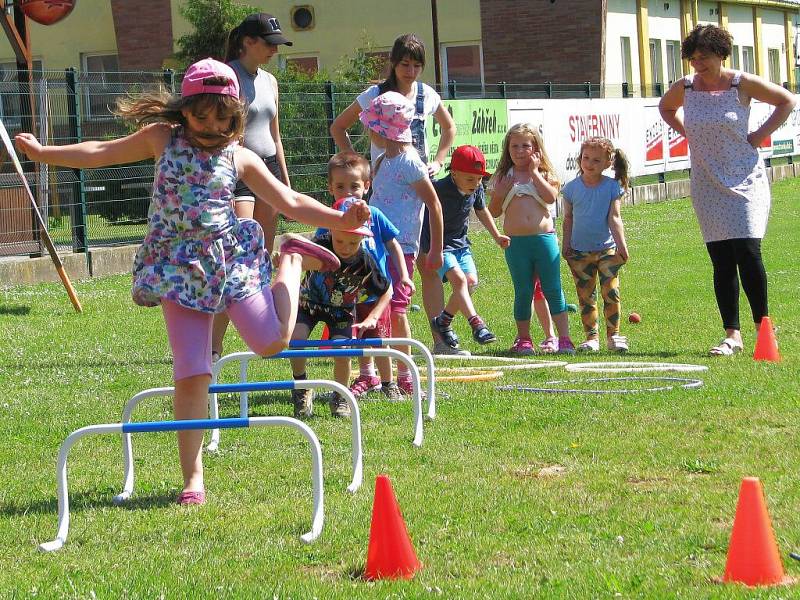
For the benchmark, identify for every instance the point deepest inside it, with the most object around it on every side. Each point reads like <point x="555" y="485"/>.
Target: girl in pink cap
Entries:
<point x="401" y="189"/>
<point x="198" y="258"/>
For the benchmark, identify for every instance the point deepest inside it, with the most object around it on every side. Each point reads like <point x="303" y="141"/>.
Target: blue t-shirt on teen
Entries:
<point x="590" y="208"/>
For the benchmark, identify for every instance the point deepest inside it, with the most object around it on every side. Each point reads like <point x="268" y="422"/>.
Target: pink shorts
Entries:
<point x="383" y="329"/>
<point x="189" y="331"/>
<point x="401" y="294"/>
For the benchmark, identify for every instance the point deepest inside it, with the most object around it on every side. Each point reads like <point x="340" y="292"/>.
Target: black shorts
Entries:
<point x="272" y="164"/>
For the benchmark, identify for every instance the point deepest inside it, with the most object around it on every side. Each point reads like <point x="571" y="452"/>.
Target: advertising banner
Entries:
<point x="481" y="123"/>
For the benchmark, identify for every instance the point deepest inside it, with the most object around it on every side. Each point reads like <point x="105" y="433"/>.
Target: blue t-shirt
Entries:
<point x="392" y="192"/>
<point x="590" y="208"/>
<point x="455" y="215"/>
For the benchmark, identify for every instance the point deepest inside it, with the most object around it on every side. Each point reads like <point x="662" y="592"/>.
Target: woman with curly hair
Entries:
<point x="729" y="186"/>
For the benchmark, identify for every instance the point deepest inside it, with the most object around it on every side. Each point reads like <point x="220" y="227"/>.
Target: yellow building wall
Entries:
<point x="337" y="33"/>
<point x="88" y="29"/>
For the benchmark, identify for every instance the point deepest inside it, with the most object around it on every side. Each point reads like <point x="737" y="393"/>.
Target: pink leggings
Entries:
<point x="189" y="331"/>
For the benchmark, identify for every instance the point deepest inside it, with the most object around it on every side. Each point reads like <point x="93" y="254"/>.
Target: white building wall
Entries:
<point x="621" y="22"/>
<point x="664" y="23"/>
<point x="707" y="13"/>
<point x="773" y="36"/>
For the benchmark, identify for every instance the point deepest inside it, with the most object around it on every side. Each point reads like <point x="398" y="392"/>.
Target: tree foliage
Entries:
<point x="211" y="21"/>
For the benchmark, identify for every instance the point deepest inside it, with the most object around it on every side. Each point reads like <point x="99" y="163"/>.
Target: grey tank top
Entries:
<point x="258" y="96"/>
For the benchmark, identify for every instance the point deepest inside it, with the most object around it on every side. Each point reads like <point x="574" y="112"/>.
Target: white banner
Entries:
<point x="635" y="126"/>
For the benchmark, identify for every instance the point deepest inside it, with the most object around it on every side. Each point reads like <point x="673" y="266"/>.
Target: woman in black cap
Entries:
<point x="250" y="44"/>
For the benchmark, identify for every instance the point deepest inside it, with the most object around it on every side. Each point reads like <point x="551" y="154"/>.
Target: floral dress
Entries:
<point x="196" y="252"/>
<point x="729" y="185"/>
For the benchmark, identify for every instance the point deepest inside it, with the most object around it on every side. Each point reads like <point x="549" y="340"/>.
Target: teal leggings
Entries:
<point x="528" y="256"/>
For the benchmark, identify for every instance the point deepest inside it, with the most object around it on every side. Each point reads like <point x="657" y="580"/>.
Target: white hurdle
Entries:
<point x="340" y="347"/>
<point x="127" y="428"/>
<point x="356" y="443"/>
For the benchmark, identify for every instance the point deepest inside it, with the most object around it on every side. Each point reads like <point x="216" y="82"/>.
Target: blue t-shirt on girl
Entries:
<point x="392" y="192"/>
<point x="590" y="207"/>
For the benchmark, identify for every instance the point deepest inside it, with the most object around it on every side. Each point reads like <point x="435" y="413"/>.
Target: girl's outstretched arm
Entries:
<point x="148" y="142"/>
<point x="299" y="207"/>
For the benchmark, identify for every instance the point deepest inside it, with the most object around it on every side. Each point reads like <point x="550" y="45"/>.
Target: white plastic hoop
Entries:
<point x="511" y="363"/>
<point x="633" y="367"/>
<point x="685" y="384"/>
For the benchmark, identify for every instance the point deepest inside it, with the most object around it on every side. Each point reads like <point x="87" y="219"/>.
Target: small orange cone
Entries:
<point x="766" y="346"/>
<point x="753" y="556"/>
<point x="390" y="554"/>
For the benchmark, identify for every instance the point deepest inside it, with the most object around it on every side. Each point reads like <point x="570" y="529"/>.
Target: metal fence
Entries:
<point x="108" y="206"/>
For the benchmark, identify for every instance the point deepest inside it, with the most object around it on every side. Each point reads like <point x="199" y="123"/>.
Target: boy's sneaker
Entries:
<point x="442" y="348"/>
<point x="365" y="384"/>
<point x="302" y="399"/>
<point x="446" y="332"/>
<point x="392" y="392"/>
<point x="339" y="406"/>
<point x="482" y="335"/>
<point x="522" y="346"/>
<point x="565" y="346"/>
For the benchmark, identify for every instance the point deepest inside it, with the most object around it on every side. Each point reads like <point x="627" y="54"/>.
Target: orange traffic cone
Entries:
<point x="766" y="346"/>
<point x="390" y="554"/>
<point x="753" y="557"/>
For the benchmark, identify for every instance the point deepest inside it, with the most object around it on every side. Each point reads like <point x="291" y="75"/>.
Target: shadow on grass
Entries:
<point x="81" y="501"/>
<point x="16" y="311"/>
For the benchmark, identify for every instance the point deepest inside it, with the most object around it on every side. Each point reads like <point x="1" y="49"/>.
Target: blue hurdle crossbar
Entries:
<point x="355" y="423"/>
<point x="128" y="428"/>
<point x="382" y="343"/>
<point x="244" y="358"/>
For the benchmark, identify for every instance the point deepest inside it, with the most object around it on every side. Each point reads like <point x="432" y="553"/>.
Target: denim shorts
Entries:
<point x="461" y="258"/>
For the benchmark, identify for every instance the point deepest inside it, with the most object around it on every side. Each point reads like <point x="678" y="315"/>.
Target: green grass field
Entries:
<point x="643" y="507"/>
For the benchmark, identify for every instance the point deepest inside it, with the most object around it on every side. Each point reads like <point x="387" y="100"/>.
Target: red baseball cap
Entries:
<point x="469" y="159"/>
<point x="343" y="204"/>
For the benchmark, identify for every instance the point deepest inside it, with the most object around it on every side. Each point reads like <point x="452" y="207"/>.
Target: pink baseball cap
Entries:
<point x="390" y="116"/>
<point x="343" y="204"/>
<point x="194" y="80"/>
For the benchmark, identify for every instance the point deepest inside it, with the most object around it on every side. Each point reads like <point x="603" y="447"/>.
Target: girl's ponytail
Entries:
<point x="234" y="46"/>
<point x="621" y="168"/>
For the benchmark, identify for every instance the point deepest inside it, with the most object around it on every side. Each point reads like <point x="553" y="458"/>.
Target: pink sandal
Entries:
<point x="297" y="244"/>
<point x="192" y="498"/>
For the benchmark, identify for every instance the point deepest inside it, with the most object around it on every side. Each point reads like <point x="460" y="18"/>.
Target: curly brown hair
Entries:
<point x="707" y="38"/>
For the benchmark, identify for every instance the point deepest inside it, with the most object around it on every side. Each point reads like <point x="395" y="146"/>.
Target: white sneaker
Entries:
<point x="442" y="348"/>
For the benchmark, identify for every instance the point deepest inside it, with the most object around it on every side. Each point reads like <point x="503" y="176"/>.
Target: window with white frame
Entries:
<point x="774" y="60"/>
<point x="735" y="63"/>
<point x="656" y="65"/>
<point x="748" y="59"/>
<point x="674" y="66"/>
<point x="463" y="63"/>
<point x="11" y="92"/>
<point x="101" y="85"/>
<point x="627" y="70"/>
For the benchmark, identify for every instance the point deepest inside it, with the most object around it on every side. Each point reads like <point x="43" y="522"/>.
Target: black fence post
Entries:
<point x="549" y="89"/>
<point x="168" y="77"/>
<point x="588" y="89"/>
<point x="501" y="87"/>
<point x="330" y="115"/>
<point x="78" y="208"/>
<point x="659" y="89"/>
<point x="626" y="90"/>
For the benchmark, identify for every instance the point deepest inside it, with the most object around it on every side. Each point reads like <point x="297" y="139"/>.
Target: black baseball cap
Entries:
<point x="265" y="26"/>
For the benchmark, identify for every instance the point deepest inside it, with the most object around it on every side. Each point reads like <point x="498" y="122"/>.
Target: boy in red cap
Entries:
<point x="459" y="193"/>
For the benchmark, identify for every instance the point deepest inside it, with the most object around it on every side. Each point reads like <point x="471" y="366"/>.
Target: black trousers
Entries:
<point x="734" y="260"/>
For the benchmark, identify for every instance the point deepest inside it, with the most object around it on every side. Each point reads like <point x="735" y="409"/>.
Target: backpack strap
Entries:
<point x="420" y="107"/>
